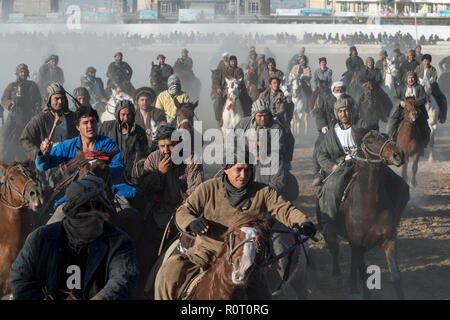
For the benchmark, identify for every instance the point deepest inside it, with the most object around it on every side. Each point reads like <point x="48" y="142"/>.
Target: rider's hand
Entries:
<point x="164" y="164"/>
<point x="46" y="146"/>
<point x="199" y="226"/>
<point x="324" y="130"/>
<point x="219" y="91"/>
<point x="402" y="104"/>
<point x="308" y="229"/>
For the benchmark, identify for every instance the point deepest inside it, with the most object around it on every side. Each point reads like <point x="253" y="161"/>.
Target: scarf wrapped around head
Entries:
<point x="82" y="228"/>
<point x="174" y="85"/>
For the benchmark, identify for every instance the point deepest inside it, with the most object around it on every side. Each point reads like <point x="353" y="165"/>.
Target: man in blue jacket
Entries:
<point x="79" y="258"/>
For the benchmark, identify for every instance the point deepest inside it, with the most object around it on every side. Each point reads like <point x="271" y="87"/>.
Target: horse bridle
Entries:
<point x="8" y="185"/>
<point x="232" y="250"/>
<point x="365" y="149"/>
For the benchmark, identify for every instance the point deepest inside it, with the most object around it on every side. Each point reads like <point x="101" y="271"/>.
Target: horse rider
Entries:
<point x="262" y="117"/>
<point x="398" y="58"/>
<point x="209" y="211"/>
<point x="301" y="71"/>
<point x="336" y="158"/>
<point x="385" y="66"/>
<point x="23" y="100"/>
<point x="184" y="64"/>
<point x="165" y="100"/>
<point x="232" y="71"/>
<point x="409" y="65"/>
<point x="224" y="62"/>
<point x="261" y="63"/>
<point x="410" y="89"/>
<point x="276" y="100"/>
<point x="49" y="72"/>
<point x="427" y="73"/>
<point x="82" y="257"/>
<point x="296" y="59"/>
<point x="354" y="64"/>
<point x="129" y="136"/>
<point x="370" y="73"/>
<point x="419" y="54"/>
<point x="167" y="184"/>
<point x="251" y="70"/>
<point x="95" y="88"/>
<point x="147" y="116"/>
<point x="82" y="97"/>
<point x="323" y="73"/>
<point x="325" y="121"/>
<point x="269" y="72"/>
<point x="119" y="74"/>
<point x="160" y="74"/>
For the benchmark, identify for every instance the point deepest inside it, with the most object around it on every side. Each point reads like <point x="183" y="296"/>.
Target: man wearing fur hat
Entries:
<point x="129" y="136"/>
<point x="82" y="257"/>
<point x="165" y="100"/>
<point x="49" y="72"/>
<point x="427" y="76"/>
<point x="119" y="74"/>
<point x="23" y="100"/>
<point x="147" y="116"/>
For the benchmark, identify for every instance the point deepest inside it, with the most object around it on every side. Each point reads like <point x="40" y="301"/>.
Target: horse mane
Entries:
<point x="255" y="219"/>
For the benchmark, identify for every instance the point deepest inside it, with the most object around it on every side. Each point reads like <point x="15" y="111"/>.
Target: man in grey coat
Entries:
<point x="82" y="257"/>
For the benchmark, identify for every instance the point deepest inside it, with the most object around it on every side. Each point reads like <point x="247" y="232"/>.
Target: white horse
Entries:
<point x="110" y="107"/>
<point x="388" y="84"/>
<point x="433" y="114"/>
<point x="300" y="101"/>
<point x="232" y="110"/>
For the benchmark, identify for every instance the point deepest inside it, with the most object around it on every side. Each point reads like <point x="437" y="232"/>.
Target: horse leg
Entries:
<point x="414" y="168"/>
<point x="431" y="145"/>
<point x="305" y="119"/>
<point x="390" y="251"/>
<point x="330" y="235"/>
<point x="405" y="168"/>
<point x="358" y="270"/>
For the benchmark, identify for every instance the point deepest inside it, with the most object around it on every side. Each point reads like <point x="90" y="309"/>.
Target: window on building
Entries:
<point x="253" y="7"/>
<point x="164" y="7"/>
<point x="345" y="7"/>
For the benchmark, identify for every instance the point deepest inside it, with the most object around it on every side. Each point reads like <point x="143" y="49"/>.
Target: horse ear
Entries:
<point x="239" y="80"/>
<point x="4" y="166"/>
<point x="177" y="103"/>
<point x="195" y="104"/>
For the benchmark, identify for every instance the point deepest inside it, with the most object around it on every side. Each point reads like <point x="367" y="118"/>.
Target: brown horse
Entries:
<point x="20" y="192"/>
<point x="230" y="271"/>
<point x="409" y="139"/>
<point x="370" y="210"/>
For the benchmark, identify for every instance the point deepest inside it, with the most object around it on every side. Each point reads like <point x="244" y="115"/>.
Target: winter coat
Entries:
<point x="89" y="85"/>
<point x="165" y="102"/>
<point x="47" y="75"/>
<point x="154" y="118"/>
<point x="111" y="269"/>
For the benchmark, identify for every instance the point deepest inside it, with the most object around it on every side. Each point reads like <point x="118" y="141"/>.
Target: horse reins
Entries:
<point x="8" y="185"/>
<point x="240" y="244"/>
<point x="368" y="152"/>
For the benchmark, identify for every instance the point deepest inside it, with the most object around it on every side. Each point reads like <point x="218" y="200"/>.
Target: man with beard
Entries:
<point x="130" y="137"/>
<point x="40" y="126"/>
<point x="410" y="89"/>
<point x="354" y="64"/>
<point x="426" y="73"/>
<point x="23" y="100"/>
<point x="209" y="211"/>
<point x="167" y="185"/>
<point x="95" y="88"/>
<point x="147" y="116"/>
<point x="233" y="72"/>
<point x="82" y="257"/>
<point x="119" y="75"/>
<point x="49" y="72"/>
<point x="165" y="100"/>
<point x="270" y="72"/>
<point x="160" y="74"/>
<point x="325" y="120"/>
<point x="409" y="65"/>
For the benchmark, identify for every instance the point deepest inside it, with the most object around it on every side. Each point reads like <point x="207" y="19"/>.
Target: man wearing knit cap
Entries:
<point x="95" y="87"/>
<point x="129" y="136"/>
<point x="49" y="72"/>
<point x="23" y="100"/>
<point x="159" y="74"/>
<point x="82" y="257"/>
<point x="427" y="76"/>
<point x="165" y="100"/>
<point x="82" y="97"/>
<point x="119" y="74"/>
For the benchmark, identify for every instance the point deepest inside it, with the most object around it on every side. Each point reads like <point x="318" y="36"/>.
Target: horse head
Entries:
<point x="185" y="115"/>
<point x="233" y="89"/>
<point x="20" y="186"/>
<point x="245" y="243"/>
<point x="377" y="147"/>
<point x="410" y="112"/>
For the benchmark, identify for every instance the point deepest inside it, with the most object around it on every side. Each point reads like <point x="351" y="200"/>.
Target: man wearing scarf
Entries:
<point x="82" y="257"/>
<point x="129" y="136"/>
<point x="165" y="100"/>
<point x="209" y="211"/>
<point x="23" y="100"/>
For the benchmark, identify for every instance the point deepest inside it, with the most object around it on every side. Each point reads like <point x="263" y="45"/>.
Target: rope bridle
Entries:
<point x="8" y="186"/>
<point x="367" y="153"/>
<point x="232" y="250"/>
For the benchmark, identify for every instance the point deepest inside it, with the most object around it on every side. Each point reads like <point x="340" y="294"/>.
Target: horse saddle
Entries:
<point x="187" y="292"/>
